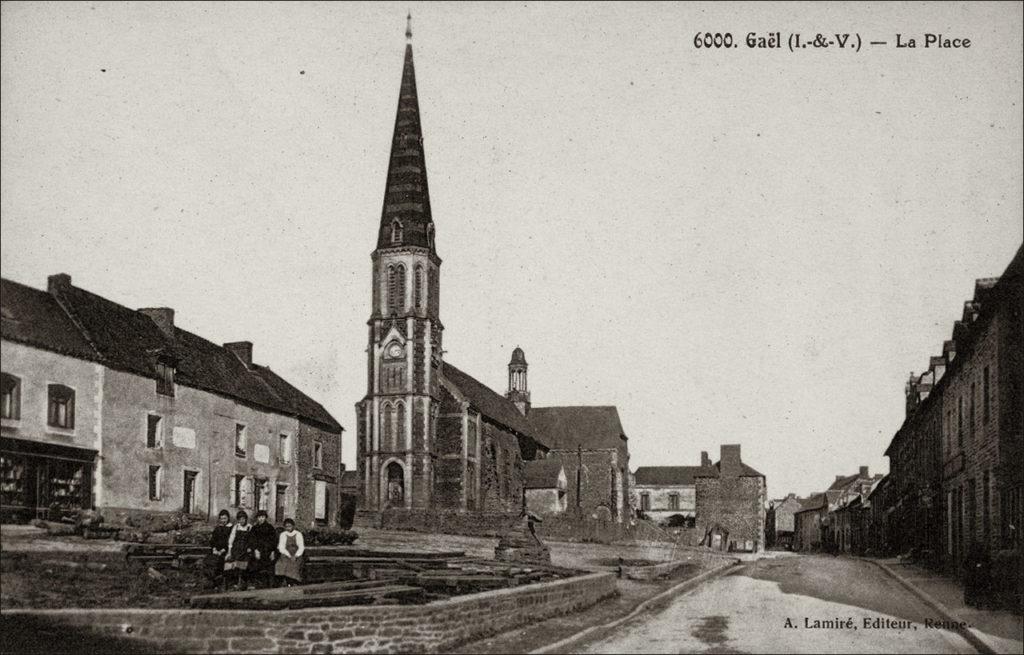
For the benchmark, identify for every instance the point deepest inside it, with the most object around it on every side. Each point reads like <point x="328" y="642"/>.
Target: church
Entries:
<point x="430" y="437"/>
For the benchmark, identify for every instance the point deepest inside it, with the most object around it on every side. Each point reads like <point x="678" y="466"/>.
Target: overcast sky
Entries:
<point x="738" y="246"/>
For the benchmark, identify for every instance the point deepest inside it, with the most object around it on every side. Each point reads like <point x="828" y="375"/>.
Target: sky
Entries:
<point x="731" y="246"/>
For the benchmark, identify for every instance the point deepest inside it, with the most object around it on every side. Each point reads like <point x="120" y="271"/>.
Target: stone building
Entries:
<point x="431" y="439"/>
<point x="590" y="443"/>
<point x="546" y="487"/>
<point x="915" y="469"/>
<point x="809" y="522"/>
<point x="118" y="409"/>
<point x="981" y="430"/>
<point x="667" y="494"/>
<point x="779" y="520"/>
<point x="732" y="495"/>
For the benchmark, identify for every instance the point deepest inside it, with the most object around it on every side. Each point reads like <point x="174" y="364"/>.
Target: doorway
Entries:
<point x="279" y="500"/>
<point x="188" y="492"/>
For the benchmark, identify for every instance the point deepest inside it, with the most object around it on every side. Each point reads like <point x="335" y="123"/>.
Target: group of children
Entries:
<point x="254" y="553"/>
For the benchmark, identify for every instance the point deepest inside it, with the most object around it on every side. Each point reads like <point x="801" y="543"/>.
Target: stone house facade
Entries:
<point x="809" y="522"/>
<point x="982" y="426"/>
<point x="732" y="495"/>
<point x="138" y="416"/>
<point x="667" y="494"/>
<point x="780" y="521"/>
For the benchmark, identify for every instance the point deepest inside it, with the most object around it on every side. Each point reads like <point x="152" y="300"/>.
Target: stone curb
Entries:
<point x="681" y="588"/>
<point x="968" y="634"/>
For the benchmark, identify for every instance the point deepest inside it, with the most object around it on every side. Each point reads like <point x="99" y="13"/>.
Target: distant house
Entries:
<point x="780" y="520"/>
<point x="545" y="486"/>
<point x="667" y="494"/>
<point x="809" y="522"/>
<point x="732" y="495"/>
<point x="120" y="410"/>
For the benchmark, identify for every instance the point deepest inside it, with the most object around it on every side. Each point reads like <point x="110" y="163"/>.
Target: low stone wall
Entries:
<point x="473" y="524"/>
<point x="430" y="628"/>
<point x="565" y="527"/>
<point x="652" y="572"/>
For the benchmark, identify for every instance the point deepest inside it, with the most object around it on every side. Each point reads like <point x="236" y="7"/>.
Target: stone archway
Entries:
<point x="394" y="485"/>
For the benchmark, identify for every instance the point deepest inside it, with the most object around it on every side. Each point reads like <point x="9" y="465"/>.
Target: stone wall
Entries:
<point x="735" y="503"/>
<point x="435" y="627"/>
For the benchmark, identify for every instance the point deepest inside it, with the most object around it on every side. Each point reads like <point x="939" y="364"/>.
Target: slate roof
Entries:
<point x="844" y="482"/>
<point x="34" y="318"/>
<point x="563" y="428"/>
<point x="78" y="323"/>
<point x="715" y="470"/>
<point x="406" y="196"/>
<point x="814" y="501"/>
<point x="489" y="403"/>
<point x="658" y="476"/>
<point x="541" y="473"/>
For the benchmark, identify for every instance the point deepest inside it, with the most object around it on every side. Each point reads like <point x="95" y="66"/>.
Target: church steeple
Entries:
<point x="405" y="218"/>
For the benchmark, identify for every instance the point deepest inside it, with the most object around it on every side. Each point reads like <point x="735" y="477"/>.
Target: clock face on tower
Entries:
<point x="394" y="351"/>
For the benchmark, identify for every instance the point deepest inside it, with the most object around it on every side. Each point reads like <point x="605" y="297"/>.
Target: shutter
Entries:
<point x="320" y="500"/>
<point x="247" y="499"/>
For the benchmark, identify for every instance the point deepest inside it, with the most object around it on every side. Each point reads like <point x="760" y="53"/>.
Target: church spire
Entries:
<point x="405" y="219"/>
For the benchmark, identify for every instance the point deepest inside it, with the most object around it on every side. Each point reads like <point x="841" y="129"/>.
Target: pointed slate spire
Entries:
<point x="405" y="219"/>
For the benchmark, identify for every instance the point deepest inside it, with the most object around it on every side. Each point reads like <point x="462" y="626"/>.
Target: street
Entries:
<point x="789" y="604"/>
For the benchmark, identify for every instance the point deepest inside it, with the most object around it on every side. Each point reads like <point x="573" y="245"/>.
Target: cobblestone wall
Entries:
<point x="428" y="628"/>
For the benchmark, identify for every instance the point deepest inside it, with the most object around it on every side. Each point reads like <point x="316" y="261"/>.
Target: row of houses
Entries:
<point x="120" y="410"/>
<point x="955" y="477"/>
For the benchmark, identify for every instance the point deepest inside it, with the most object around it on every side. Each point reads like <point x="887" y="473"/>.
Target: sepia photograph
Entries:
<point x="706" y="335"/>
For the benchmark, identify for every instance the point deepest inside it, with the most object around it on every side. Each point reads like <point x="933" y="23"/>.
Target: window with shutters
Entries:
<point x="61" y="406"/>
<point x="645" y="502"/>
<point x="260" y="493"/>
<point x="673" y="501"/>
<point x="11" y="385"/>
<point x="165" y="378"/>
<point x="240" y="440"/>
<point x="154" y="482"/>
<point x="284" y="448"/>
<point x="238" y="483"/>
<point x="154" y="431"/>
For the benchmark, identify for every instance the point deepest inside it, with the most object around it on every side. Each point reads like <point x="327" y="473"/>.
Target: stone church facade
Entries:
<point x="430" y="437"/>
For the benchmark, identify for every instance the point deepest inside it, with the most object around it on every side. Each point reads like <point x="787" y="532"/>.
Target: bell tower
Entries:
<point x="518" y="389"/>
<point x="397" y="417"/>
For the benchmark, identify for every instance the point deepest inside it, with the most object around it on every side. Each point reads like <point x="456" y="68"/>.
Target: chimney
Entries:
<point x="704" y="459"/>
<point x="864" y="473"/>
<point x="242" y="350"/>
<point x="163" y="317"/>
<point x="58" y="282"/>
<point x="730" y="464"/>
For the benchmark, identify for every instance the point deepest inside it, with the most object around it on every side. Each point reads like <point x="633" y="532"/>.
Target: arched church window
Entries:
<point x="396" y="289"/>
<point x="417" y="287"/>
<point x="396" y="231"/>
<point x="388" y="429"/>
<point x="399" y="426"/>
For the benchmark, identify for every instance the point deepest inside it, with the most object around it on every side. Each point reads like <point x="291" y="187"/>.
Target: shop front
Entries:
<point x="42" y="480"/>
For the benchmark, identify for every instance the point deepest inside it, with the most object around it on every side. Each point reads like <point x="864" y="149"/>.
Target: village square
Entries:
<point x="165" y="490"/>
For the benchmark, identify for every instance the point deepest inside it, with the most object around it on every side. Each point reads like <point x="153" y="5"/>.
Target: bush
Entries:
<point x="330" y="537"/>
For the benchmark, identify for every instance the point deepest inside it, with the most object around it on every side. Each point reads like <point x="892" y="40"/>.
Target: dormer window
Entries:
<point x="430" y="235"/>
<point x="165" y="378"/>
<point x="396" y="232"/>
